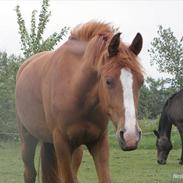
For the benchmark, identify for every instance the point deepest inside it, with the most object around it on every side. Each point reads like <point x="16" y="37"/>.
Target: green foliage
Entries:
<point x="167" y="52"/>
<point x="148" y="125"/>
<point x="153" y="95"/>
<point x="34" y="42"/>
<point x="8" y="68"/>
<point x="31" y="43"/>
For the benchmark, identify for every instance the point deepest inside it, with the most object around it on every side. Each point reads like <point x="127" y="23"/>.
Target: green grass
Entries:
<point x="10" y="163"/>
<point x="126" y="167"/>
<point x="134" y="167"/>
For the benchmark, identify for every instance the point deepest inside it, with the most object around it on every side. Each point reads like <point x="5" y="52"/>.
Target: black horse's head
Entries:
<point x="163" y="145"/>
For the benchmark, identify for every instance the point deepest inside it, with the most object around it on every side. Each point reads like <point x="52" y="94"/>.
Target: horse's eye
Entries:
<point x="109" y="83"/>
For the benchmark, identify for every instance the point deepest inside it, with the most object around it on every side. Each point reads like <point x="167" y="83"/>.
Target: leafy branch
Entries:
<point x="33" y="42"/>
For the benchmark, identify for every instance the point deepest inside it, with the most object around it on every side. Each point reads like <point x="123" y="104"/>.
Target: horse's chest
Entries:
<point x="83" y="133"/>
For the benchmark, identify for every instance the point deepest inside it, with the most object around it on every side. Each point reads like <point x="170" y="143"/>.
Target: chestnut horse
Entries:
<point x="64" y="98"/>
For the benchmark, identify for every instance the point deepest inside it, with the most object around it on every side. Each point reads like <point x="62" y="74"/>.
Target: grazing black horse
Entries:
<point x="172" y="114"/>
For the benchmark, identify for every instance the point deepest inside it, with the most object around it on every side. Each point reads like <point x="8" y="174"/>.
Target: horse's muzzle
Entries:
<point x="128" y="141"/>
<point x="161" y="162"/>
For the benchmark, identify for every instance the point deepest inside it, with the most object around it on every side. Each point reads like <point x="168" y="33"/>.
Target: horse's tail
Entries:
<point x="49" y="164"/>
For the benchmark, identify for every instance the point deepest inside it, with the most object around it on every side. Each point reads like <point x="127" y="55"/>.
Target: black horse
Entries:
<point x="172" y="114"/>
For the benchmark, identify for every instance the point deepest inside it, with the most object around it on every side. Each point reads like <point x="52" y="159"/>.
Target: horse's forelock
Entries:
<point x="86" y="32"/>
<point x="125" y="59"/>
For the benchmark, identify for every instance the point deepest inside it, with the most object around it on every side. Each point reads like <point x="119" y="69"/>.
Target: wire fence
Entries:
<point x="9" y="136"/>
<point x="15" y="136"/>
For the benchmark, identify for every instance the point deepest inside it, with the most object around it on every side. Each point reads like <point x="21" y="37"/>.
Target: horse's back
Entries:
<point x="28" y="61"/>
<point x="174" y="107"/>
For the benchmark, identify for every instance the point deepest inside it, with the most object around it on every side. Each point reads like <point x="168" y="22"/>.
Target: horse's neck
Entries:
<point x="84" y="85"/>
<point x="85" y="80"/>
<point x="165" y="126"/>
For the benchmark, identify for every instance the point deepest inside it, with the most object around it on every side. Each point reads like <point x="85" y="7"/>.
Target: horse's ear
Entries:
<point x="156" y="133"/>
<point x="136" y="44"/>
<point x="114" y="45"/>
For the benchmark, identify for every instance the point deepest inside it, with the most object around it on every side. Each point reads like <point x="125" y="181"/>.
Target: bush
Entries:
<point x="8" y="69"/>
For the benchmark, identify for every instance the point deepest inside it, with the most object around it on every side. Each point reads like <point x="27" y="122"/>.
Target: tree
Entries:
<point x="153" y="96"/>
<point x="8" y="68"/>
<point x="167" y="52"/>
<point x="33" y="42"/>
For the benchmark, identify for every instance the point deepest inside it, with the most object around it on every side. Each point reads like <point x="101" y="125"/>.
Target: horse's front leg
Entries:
<point x="100" y="153"/>
<point x="76" y="160"/>
<point x="64" y="158"/>
<point x="181" y="158"/>
<point x="180" y="128"/>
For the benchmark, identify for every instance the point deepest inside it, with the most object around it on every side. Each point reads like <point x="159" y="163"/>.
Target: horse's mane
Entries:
<point x="87" y="31"/>
<point x="164" y="114"/>
<point x="172" y="97"/>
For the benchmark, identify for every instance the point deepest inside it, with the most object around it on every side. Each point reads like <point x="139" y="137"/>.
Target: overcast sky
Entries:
<point x="130" y="16"/>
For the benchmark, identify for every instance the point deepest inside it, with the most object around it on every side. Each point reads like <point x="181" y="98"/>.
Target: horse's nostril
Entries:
<point x="121" y="132"/>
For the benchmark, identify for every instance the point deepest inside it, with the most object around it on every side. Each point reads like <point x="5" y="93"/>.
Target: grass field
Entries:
<point x="126" y="167"/>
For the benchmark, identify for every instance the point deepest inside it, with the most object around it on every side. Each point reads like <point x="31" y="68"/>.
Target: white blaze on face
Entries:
<point x="126" y="78"/>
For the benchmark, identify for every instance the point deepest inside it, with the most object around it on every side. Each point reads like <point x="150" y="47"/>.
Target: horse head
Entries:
<point x="163" y="145"/>
<point x="119" y="84"/>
